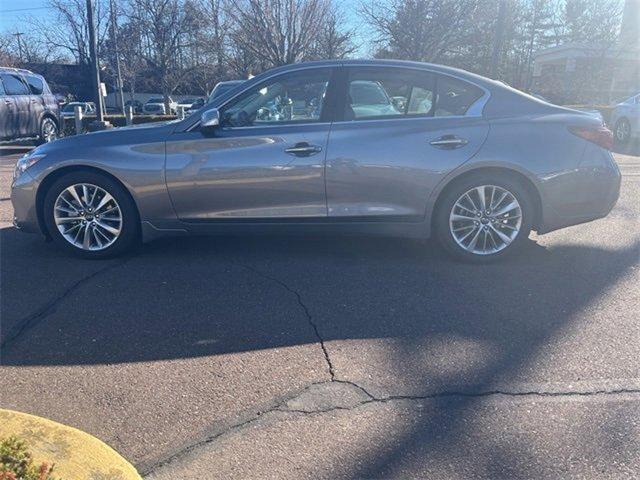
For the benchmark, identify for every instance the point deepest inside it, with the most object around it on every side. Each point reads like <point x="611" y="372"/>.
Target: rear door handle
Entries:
<point x="448" y="142"/>
<point x="303" y="149"/>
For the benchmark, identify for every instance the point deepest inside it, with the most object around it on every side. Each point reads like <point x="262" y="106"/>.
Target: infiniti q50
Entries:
<point x="384" y="147"/>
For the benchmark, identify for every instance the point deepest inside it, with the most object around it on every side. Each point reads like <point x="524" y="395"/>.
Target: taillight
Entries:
<point x="599" y="135"/>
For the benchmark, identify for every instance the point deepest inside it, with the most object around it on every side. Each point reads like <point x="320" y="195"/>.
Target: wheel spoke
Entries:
<point x="462" y="218"/>
<point x="481" y="194"/>
<point x="511" y="206"/>
<point x="68" y="219"/>
<point x="74" y="194"/>
<point x="108" y="228"/>
<point x="505" y="238"/>
<point x="106" y="199"/>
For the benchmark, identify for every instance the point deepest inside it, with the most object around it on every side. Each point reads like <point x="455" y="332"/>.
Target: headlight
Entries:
<point x="24" y="163"/>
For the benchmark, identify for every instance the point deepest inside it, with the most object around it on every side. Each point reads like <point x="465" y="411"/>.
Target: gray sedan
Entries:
<point x="467" y="159"/>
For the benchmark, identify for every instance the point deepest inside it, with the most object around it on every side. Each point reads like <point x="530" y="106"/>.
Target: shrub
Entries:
<point x="16" y="462"/>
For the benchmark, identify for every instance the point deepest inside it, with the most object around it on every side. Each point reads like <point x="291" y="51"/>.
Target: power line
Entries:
<point x="24" y="9"/>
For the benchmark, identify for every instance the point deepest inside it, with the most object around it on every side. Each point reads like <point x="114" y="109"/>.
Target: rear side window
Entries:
<point x="388" y="92"/>
<point x="36" y="85"/>
<point x="13" y="84"/>
<point x="455" y="97"/>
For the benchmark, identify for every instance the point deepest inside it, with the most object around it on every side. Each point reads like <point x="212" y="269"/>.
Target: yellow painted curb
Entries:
<point x="76" y="454"/>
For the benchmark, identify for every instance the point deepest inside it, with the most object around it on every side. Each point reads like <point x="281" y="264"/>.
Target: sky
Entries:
<point x="13" y="13"/>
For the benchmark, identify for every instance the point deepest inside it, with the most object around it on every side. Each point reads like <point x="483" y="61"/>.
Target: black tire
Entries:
<point x="622" y="131"/>
<point x="130" y="231"/>
<point x="44" y="134"/>
<point x="456" y="190"/>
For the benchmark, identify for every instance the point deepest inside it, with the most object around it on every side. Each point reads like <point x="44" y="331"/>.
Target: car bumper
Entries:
<point x="586" y="193"/>
<point x="23" y="199"/>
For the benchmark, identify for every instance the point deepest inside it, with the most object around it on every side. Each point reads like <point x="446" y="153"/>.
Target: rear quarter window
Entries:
<point x="455" y="97"/>
<point x="36" y="85"/>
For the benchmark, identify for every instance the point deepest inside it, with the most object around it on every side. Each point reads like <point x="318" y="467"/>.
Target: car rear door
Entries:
<point x="8" y="120"/>
<point x="390" y="149"/>
<point x="37" y="105"/>
<point x="19" y="92"/>
<point x="265" y="160"/>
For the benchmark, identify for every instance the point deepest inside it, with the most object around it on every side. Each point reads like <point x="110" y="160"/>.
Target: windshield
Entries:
<point x="70" y="107"/>
<point x="155" y="100"/>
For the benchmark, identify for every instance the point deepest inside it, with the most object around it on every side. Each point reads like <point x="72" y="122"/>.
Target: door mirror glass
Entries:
<point x="210" y="118"/>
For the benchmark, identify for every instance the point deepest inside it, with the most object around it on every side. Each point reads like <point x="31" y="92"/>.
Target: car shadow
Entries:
<point x="180" y="298"/>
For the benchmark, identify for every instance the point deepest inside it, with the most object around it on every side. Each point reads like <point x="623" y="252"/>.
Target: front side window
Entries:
<point x="388" y="92"/>
<point x="13" y="84"/>
<point x="292" y="97"/>
<point x="455" y="96"/>
<point x="35" y="84"/>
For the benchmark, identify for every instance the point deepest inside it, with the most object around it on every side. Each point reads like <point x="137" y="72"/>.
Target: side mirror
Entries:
<point x="210" y="118"/>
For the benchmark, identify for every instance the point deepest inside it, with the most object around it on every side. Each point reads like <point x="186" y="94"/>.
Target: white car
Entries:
<point x="625" y="120"/>
<point x="155" y="106"/>
<point x="68" y="111"/>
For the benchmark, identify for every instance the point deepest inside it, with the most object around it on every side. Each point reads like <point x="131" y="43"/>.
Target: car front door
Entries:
<point x="402" y="130"/>
<point x="264" y="160"/>
<point x="18" y="91"/>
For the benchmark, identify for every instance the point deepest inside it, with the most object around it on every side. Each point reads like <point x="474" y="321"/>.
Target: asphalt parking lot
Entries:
<point x="321" y="357"/>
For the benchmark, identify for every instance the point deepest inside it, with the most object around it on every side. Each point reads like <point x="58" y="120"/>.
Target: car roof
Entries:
<point x="18" y="70"/>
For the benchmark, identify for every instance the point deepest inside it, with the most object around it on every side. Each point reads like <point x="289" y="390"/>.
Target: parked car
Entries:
<point x="28" y="109"/>
<point x="197" y="105"/>
<point x="625" y="119"/>
<point x="185" y="104"/>
<point x="136" y="104"/>
<point x="68" y="111"/>
<point x="223" y="87"/>
<point x="156" y="106"/>
<point x="473" y="162"/>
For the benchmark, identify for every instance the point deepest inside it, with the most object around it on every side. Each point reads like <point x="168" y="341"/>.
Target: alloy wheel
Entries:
<point x="49" y="130"/>
<point x="485" y="219"/>
<point x="88" y="217"/>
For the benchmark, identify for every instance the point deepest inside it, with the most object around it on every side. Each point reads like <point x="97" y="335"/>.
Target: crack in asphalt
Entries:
<point x="50" y="307"/>
<point x="281" y="407"/>
<point x="306" y="311"/>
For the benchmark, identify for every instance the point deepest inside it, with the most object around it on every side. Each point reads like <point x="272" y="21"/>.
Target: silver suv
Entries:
<point x="28" y="109"/>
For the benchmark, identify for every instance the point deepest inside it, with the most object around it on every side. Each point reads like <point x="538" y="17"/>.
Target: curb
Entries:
<point x="76" y="454"/>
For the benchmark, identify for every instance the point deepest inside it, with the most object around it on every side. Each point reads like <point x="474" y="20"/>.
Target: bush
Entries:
<point x="16" y="462"/>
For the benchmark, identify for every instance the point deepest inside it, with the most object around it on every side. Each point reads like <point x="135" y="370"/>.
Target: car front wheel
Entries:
<point x="483" y="218"/>
<point x="623" y="131"/>
<point x="91" y="215"/>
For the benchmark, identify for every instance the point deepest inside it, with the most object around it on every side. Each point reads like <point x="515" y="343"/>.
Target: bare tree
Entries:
<point x="164" y="26"/>
<point x="333" y="41"/>
<point x="69" y="33"/>
<point x="424" y="30"/>
<point x="277" y="32"/>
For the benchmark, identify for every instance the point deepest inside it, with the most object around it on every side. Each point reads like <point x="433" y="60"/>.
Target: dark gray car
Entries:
<point x="28" y="109"/>
<point x="468" y="159"/>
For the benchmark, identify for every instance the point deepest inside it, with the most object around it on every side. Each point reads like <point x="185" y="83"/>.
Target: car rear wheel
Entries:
<point x="623" y="131"/>
<point x="484" y="217"/>
<point x="48" y="130"/>
<point x="91" y="215"/>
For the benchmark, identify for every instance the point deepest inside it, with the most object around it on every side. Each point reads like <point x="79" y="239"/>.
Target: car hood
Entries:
<point x="134" y="134"/>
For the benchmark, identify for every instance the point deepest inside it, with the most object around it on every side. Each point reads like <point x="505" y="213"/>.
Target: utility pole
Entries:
<point x="498" y="39"/>
<point x="18" y="35"/>
<point x="99" y="124"/>
<point x="114" y="35"/>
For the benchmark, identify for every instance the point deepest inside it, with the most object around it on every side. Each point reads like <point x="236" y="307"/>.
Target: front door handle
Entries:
<point x="303" y="149"/>
<point x="448" y="142"/>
